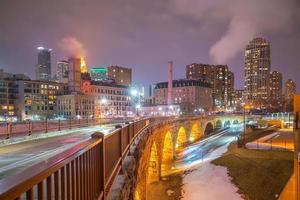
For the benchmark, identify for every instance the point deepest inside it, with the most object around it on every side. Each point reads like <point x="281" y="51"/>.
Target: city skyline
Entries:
<point x="148" y="39"/>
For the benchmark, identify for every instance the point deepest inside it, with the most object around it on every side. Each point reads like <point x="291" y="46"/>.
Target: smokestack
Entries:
<point x="74" y="81"/>
<point x="170" y="82"/>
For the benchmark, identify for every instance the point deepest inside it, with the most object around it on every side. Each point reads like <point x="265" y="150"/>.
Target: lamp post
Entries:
<point x="244" y="117"/>
<point x="136" y="99"/>
<point x="103" y="102"/>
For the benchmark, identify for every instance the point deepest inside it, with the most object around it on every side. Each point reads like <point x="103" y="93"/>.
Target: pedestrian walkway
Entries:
<point x="280" y="140"/>
<point x="288" y="192"/>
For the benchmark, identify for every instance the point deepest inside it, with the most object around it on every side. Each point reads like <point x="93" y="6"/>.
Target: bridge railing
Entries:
<point x="85" y="171"/>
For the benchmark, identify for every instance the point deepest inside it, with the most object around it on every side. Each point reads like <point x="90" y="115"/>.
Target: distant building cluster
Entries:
<point x="77" y="91"/>
<point x="73" y="92"/>
<point x="211" y="87"/>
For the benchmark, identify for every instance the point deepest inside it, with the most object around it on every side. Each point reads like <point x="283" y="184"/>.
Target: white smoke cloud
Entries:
<point x="72" y="47"/>
<point x="246" y="20"/>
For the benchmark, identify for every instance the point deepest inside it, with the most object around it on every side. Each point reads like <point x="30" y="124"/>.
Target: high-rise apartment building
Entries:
<point x="43" y="67"/>
<point x="275" y="90"/>
<point x="220" y="78"/>
<point x="62" y="74"/>
<point x="238" y="100"/>
<point x="289" y="92"/>
<point x="121" y="75"/>
<point x="290" y="89"/>
<point x="257" y="65"/>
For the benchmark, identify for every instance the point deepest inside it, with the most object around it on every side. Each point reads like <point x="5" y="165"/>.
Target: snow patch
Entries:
<point x="209" y="182"/>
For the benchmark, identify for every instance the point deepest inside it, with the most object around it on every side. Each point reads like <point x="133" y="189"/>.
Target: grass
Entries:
<point x="259" y="174"/>
<point x="160" y="189"/>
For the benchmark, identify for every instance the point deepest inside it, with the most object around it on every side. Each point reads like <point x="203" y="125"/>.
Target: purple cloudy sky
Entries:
<point x="146" y="34"/>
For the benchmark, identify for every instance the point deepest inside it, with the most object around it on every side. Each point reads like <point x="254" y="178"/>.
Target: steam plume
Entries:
<point x="72" y="47"/>
<point x="246" y="20"/>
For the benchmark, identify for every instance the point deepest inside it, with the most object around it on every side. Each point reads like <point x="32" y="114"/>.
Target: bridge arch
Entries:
<point x="218" y="124"/>
<point x="227" y="123"/>
<point x="181" y="139"/>
<point x="153" y="169"/>
<point x="195" y="132"/>
<point x="136" y="195"/>
<point x="209" y="128"/>
<point x="167" y="154"/>
<point x="235" y="121"/>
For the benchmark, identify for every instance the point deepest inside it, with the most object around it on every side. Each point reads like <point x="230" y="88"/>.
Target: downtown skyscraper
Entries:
<point x="43" y="67"/>
<point x="257" y="66"/>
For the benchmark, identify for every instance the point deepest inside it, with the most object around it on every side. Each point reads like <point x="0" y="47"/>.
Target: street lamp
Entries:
<point x="136" y="96"/>
<point x="138" y="106"/>
<point x="244" y="116"/>
<point x="103" y="102"/>
<point x="133" y="92"/>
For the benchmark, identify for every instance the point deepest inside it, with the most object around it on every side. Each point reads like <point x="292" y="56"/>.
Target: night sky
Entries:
<point x="146" y="34"/>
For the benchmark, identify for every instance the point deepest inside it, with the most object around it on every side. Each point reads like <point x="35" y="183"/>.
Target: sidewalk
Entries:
<point x="280" y="140"/>
<point x="288" y="192"/>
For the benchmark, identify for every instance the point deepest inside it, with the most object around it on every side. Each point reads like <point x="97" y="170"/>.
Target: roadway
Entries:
<point x="207" y="149"/>
<point x="18" y="156"/>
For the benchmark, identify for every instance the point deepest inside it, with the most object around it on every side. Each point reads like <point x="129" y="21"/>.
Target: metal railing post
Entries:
<point x="29" y="128"/>
<point x="271" y="144"/>
<point x="46" y="126"/>
<point x="8" y="130"/>
<point x="59" y="128"/>
<point x="102" y="181"/>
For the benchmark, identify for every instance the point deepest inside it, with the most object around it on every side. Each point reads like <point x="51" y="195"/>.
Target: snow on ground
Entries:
<point x="268" y="137"/>
<point x="264" y="146"/>
<point x="209" y="182"/>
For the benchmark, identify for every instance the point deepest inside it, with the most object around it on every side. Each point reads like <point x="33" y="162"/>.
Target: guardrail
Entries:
<point x="8" y="130"/>
<point x="85" y="171"/>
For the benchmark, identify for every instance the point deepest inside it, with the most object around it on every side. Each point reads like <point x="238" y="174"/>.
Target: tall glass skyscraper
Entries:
<point x="43" y="67"/>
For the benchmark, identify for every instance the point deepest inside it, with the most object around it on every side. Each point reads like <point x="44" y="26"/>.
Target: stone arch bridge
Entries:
<point x="158" y="148"/>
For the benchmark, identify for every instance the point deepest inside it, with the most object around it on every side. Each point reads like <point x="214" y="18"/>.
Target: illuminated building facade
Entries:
<point x="8" y="98"/>
<point x="257" y="65"/>
<point x="98" y="73"/>
<point x="190" y="95"/>
<point x="83" y="66"/>
<point x="37" y="99"/>
<point x="289" y="92"/>
<point x="62" y="74"/>
<point x="111" y="100"/>
<point x="43" y="67"/>
<point x="238" y="100"/>
<point x="121" y="75"/>
<point x="220" y="78"/>
<point x="76" y="106"/>
<point x="275" y="99"/>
